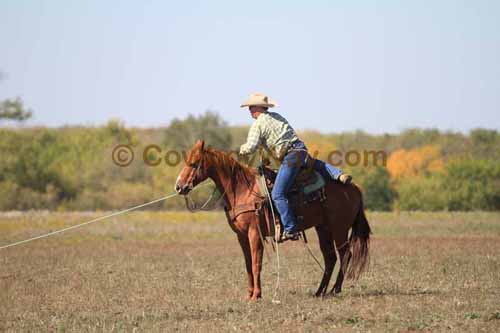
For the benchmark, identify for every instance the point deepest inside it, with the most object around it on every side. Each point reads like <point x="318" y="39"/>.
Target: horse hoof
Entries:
<point x="335" y="292"/>
<point x="321" y="294"/>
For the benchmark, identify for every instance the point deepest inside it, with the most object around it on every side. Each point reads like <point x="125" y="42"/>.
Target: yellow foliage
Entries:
<point x="410" y="163"/>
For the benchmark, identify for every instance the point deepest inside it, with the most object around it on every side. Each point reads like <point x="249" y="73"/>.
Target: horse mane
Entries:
<point x="229" y="165"/>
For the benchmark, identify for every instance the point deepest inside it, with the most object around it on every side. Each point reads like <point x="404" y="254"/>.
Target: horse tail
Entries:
<point x="359" y="243"/>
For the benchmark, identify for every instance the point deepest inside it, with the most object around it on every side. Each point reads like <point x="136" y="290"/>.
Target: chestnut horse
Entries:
<point x="340" y="211"/>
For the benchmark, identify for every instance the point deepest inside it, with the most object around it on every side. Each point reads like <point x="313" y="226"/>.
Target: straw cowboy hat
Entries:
<point x="258" y="99"/>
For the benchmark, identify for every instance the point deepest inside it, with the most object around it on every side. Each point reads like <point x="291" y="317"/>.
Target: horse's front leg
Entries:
<point x="245" y="247"/>
<point x="257" y="250"/>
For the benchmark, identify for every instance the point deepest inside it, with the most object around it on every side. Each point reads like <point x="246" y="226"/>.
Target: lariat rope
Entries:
<point x="93" y="221"/>
<point x="275" y="299"/>
<point x="313" y="256"/>
<point x="191" y="205"/>
<point x="263" y="186"/>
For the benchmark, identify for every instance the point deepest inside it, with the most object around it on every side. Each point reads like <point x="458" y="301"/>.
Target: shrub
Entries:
<point x="377" y="189"/>
<point x="422" y="193"/>
<point x="473" y="184"/>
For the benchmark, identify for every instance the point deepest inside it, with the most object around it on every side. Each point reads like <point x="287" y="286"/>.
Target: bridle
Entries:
<point x="190" y="204"/>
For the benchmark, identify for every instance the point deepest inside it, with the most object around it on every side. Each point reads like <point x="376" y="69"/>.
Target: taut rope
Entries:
<point x="91" y="221"/>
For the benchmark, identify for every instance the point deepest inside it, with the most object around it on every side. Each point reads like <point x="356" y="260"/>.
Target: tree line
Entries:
<point x="71" y="167"/>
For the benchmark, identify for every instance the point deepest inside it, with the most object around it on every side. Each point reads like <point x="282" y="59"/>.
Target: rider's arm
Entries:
<point x="253" y="139"/>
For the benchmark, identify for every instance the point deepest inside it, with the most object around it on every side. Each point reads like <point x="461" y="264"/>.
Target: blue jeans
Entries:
<point x="291" y="165"/>
<point x="293" y="161"/>
<point x="327" y="170"/>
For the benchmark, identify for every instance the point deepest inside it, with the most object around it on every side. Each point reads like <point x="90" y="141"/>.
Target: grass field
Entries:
<point x="180" y="271"/>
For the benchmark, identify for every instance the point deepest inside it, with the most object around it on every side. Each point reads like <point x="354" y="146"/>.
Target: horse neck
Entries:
<point x="229" y="184"/>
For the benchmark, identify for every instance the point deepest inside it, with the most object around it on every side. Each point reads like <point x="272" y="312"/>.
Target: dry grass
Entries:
<point x="181" y="271"/>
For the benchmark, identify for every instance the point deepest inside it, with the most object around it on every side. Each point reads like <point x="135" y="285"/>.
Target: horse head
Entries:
<point x="195" y="171"/>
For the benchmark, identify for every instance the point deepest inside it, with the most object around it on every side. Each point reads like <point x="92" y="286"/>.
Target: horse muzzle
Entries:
<point x="183" y="189"/>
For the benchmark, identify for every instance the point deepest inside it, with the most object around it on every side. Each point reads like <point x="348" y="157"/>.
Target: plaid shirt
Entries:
<point x="273" y="132"/>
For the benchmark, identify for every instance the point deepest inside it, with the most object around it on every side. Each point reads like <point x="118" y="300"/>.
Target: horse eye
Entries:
<point x="193" y="165"/>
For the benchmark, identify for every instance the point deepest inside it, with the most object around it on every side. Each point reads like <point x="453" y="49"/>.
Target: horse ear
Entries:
<point x="201" y="144"/>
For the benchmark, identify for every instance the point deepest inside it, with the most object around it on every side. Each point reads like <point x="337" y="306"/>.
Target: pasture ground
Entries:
<point x="179" y="271"/>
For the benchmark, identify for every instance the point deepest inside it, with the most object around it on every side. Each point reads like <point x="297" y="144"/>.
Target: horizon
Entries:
<point x="19" y="125"/>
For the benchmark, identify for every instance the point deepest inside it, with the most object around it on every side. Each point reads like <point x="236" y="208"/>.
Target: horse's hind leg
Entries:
<point x="345" y="257"/>
<point x="328" y="251"/>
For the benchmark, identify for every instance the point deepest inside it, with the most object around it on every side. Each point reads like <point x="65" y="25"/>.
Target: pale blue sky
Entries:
<point x="380" y="66"/>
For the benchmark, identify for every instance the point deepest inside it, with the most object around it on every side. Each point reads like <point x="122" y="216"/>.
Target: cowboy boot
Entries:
<point x="345" y="178"/>
<point x="287" y="235"/>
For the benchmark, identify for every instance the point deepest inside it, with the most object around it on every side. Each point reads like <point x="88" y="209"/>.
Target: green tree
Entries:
<point x="34" y="164"/>
<point x="485" y="144"/>
<point x="473" y="185"/>
<point x="14" y="110"/>
<point x="378" y="191"/>
<point x="424" y="193"/>
<point x="117" y="130"/>
<point x="415" y="137"/>
<point x="182" y="134"/>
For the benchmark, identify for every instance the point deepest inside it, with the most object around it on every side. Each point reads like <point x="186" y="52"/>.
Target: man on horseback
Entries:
<point x="275" y="134"/>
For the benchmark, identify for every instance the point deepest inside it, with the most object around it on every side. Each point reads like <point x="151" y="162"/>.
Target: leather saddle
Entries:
<point x="308" y="186"/>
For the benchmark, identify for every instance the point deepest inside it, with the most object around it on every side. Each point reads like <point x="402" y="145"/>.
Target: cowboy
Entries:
<point x="275" y="134"/>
